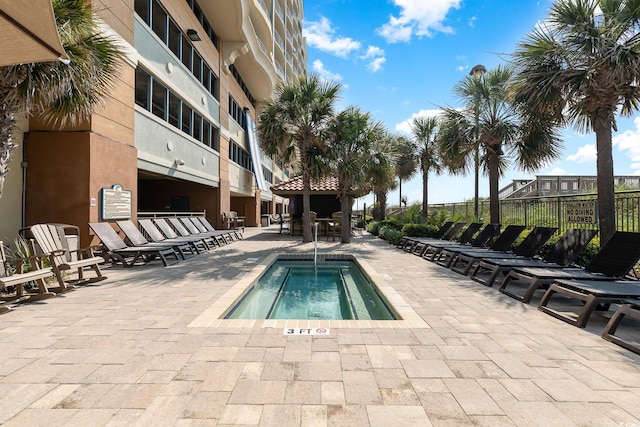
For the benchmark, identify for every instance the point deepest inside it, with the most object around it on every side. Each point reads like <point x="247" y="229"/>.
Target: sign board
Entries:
<point x="116" y="202"/>
<point x="582" y="212"/>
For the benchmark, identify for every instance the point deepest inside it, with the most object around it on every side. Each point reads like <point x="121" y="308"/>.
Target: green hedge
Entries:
<point x="390" y="234"/>
<point x="419" y="230"/>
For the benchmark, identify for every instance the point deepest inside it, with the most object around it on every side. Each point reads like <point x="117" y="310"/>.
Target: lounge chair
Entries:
<point x="420" y="244"/>
<point x="182" y="230"/>
<point x="562" y="254"/>
<point x="208" y="227"/>
<point x="463" y="259"/>
<point x="433" y="249"/>
<point x="614" y="261"/>
<point x="406" y="241"/>
<point x="592" y="294"/>
<point x="629" y="308"/>
<point x="195" y="227"/>
<point x="171" y="233"/>
<point x="155" y="234"/>
<point x="51" y="240"/>
<point x="136" y="238"/>
<point x="447" y="253"/>
<point x="14" y="275"/>
<point x="116" y="250"/>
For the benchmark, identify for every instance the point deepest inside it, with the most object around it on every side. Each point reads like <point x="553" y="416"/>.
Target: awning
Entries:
<point x="28" y="32"/>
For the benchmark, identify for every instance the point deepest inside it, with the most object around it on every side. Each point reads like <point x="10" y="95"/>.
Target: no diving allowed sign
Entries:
<point x="307" y="331"/>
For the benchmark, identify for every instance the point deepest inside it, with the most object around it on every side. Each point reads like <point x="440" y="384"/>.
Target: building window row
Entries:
<point x="236" y="112"/>
<point x="243" y="86"/>
<point x="154" y="15"/>
<point x="153" y="96"/>
<point x="197" y="11"/>
<point x="238" y="155"/>
<point x="268" y="175"/>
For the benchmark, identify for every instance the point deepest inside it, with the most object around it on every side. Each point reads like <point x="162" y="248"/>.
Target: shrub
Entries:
<point x="393" y="223"/>
<point x="589" y="252"/>
<point x="390" y="234"/>
<point x="419" y="230"/>
<point x="374" y="227"/>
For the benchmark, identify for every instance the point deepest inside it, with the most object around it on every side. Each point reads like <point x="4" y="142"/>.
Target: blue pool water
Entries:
<point x="295" y="289"/>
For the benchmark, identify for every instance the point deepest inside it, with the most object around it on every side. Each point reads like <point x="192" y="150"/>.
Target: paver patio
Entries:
<point x="126" y="352"/>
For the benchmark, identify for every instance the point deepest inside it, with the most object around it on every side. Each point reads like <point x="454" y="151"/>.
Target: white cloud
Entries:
<point x="405" y="126"/>
<point x="318" y="67"/>
<point x="585" y="154"/>
<point x="321" y="35"/>
<point x="629" y="141"/>
<point x="419" y="18"/>
<point x="375" y="58"/>
<point x="557" y="171"/>
<point x="472" y="21"/>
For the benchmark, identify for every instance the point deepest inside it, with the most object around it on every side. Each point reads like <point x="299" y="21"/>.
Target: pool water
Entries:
<point x="295" y="289"/>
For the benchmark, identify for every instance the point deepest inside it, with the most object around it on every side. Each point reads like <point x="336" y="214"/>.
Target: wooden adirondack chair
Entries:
<point x="51" y="241"/>
<point x="14" y="275"/>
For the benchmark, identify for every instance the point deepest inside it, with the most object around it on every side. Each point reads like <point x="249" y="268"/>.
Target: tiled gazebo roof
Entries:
<point x="328" y="185"/>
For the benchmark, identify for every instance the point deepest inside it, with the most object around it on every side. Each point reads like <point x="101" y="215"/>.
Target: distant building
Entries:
<point x="554" y="185"/>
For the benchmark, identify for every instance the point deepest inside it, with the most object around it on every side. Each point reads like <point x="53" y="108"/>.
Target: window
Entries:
<point x="159" y="21"/>
<point x="239" y="156"/>
<point x="187" y="52"/>
<point x="197" y="66"/>
<point x="236" y="112"/>
<point x="186" y="119"/>
<point x="175" y="38"/>
<point x="174" y="110"/>
<point x="155" y="97"/>
<point x="142" y="88"/>
<point x="159" y="100"/>
<point x="142" y="9"/>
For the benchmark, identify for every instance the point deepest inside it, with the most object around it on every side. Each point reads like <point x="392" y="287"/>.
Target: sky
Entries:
<point x="399" y="59"/>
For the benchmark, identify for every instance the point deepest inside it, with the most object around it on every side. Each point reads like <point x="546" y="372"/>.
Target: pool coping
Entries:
<point x="212" y="316"/>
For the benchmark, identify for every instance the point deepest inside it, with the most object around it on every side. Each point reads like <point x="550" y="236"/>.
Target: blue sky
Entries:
<point x="401" y="58"/>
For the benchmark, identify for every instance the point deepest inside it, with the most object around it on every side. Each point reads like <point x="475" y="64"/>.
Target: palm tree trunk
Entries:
<point x="605" y="181"/>
<point x="345" y="226"/>
<point x="494" y="174"/>
<point x="425" y="193"/>
<point x="306" y="208"/>
<point x="7" y="125"/>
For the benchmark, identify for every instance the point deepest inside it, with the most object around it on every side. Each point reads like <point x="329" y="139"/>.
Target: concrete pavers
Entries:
<point x="128" y="352"/>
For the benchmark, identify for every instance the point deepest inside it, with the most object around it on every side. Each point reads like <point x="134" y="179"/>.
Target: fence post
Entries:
<point x="559" y="202"/>
<point x="524" y="205"/>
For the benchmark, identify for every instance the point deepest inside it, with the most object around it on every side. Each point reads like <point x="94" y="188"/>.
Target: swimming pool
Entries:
<point x="333" y="289"/>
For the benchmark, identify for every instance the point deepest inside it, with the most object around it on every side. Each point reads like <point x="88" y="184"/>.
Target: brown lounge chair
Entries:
<point x="629" y="308"/>
<point x="115" y="249"/>
<point x="445" y="255"/>
<point x="561" y="255"/>
<point x="237" y="234"/>
<point x="197" y="229"/>
<point x="172" y="227"/>
<point x="406" y="241"/>
<point x="419" y="245"/>
<point x="461" y="260"/>
<point x="433" y="249"/>
<point x="14" y="275"/>
<point x="51" y="240"/>
<point x="136" y="238"/>
<point x="155" y="234"/>
<point x="613" y="262"/>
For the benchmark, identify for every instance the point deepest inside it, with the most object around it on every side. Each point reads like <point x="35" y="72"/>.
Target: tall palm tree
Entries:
<point x="294" y="126"/>
<point x="381" y="171"/>
<point x="59" y="91"/>
<point x="504" y="130"/>
<point x="406" y="163"/>
<point x="354" y="140"/>
<point x="424" y="130"/>
<point x="583" y="65"/>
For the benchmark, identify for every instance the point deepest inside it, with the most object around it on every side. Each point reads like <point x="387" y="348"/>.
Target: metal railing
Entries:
<point x="550" y="211"/>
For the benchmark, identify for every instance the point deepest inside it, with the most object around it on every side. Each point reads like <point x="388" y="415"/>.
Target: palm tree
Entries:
<point x="504" y="130"/>
<point x="424" y="130"/>
<point x="583" y="65"/>
<point x="60" y="92"/>
<point x="352" y="149"/>
<point x="381" y="171"/>
<point x="294" y="125"/>
<point x="406" y="163"/>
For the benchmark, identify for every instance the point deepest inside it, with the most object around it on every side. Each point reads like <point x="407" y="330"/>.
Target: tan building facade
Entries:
<point x="176" y="133"/>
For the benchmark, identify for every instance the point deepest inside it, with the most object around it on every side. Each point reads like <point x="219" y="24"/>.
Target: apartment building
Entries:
<point x="178" y="130"/>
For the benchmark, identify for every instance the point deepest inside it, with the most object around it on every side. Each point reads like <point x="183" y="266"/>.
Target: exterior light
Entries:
<point x="179" y="162"/>
<point x="193" y="35"/>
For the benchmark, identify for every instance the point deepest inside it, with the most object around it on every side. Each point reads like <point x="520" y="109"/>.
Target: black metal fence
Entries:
<point x="563" y="212"/>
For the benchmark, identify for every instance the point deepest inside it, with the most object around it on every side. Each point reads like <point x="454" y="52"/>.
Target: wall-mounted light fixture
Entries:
<point x="193" y="35"/>
<point x="178" y="162"/>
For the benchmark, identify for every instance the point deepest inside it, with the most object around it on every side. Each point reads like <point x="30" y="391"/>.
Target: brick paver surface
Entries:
<point x="123" y="353"/>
